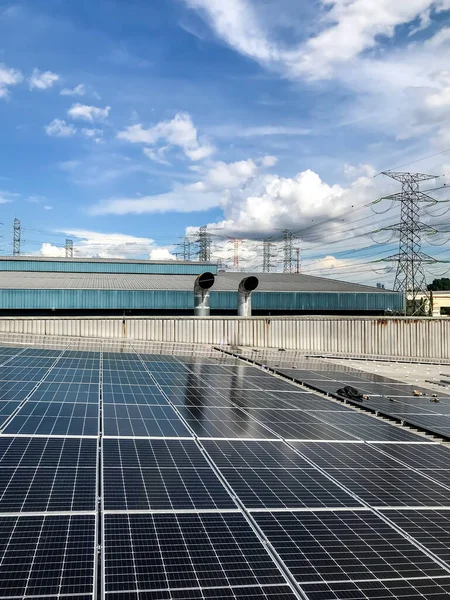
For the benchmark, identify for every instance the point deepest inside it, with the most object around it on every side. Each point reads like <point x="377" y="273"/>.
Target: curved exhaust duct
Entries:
<point x="246" y="287"/>
<point x="203" y="284"/>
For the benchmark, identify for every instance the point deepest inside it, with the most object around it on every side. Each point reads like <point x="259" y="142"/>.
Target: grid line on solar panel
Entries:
<point x="421" y="456"/>
<point x="40" y="475"/>
<point x="142" y="420"/>
<point x="431" y="528"/>
<point x="132" y="394"/>
<point x="42" y="555"/>
<point x="183" y="551"/>
<point x="226" y="423"/>
<point x="55" y="418"/>
<point x="287" y="428"/>
<point x="252" y="592"/>
<point x="147" y="474"/>
<point x="21" y="374"/>
<point x="73" y="375"/>
<point x="394" y="487"/>
<point x="346" y="545"/>
<point x="416" y="589"/>
<point x="66" y="392"/>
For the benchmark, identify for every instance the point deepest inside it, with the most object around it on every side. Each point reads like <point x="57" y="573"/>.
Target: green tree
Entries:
<point x="442" y="284"/>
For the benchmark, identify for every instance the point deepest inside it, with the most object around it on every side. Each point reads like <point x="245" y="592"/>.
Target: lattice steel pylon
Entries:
<point x="186" y="251"/>
<point x="410" y="275"/>
<point x="69" y="248"/>
<point x="267" y="256"/>
<point x="298" y="261"/>
<point x="204" y="243"/>
<point x="16" y="238"/>
<point x="288" y="251"/>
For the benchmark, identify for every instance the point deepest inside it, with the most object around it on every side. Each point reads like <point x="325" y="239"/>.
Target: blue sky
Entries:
<point x="148" y="119"/>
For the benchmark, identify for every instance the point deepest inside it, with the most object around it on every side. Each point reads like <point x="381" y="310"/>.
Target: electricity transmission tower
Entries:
<point x="16" y="238"/>
<point x="185" y="246"/>
<point x="288" y="250"/>
<point x="69" y="248"/>
<point x="410" y="275"/>
<point x="298" y="261"/>
<point x="236" y="254"/>
<point x="267" y="256"/>
<point x="204" y="243"/>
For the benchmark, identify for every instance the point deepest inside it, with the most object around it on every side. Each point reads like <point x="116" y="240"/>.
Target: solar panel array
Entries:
<point x="143" y="475"/>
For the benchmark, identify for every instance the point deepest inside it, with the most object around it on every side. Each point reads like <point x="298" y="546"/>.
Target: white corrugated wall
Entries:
<point x="398" y="337"/>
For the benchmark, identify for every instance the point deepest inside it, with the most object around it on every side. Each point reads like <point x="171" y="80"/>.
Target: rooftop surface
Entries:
<point x="25" y="258"/>
<point x="268" y="282"/>
<point x="216" y="480"/>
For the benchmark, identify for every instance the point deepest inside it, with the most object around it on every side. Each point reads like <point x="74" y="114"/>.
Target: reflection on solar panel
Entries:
<point x="131" y="474"/>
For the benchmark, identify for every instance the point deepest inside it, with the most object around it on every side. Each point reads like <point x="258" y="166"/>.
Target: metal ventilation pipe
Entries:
<point x="246" y="287"/>
<point x="203" y="284"/>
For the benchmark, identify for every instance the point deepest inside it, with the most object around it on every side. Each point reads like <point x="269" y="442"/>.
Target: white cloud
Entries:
<point x="93" y="134"/>
<point x="88" y="113"/>
<point x="236" y="131"/>
<point x="8" y="78"/>
<point x="270" y="202"/>
<point x="347" y="28"/>
<point x="42" y="80"/>
<point x="218" y="181"/>
<point x="7" y="197"/>
<point x="47" y="207"/>
<point x="179" y="132"/>
<point x="108" y="245"/>
<point x="157" y="155"/>
<point x="162" y="254"/>
<point x="182" y="201"/>
<point x="59" y="128"/>
<point x="269" y="161"/>
<point x="78" y="90"/>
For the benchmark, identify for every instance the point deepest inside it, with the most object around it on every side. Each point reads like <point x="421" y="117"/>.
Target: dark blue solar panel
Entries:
<point x="140" y="420"/>
<point x="55" y="418"/>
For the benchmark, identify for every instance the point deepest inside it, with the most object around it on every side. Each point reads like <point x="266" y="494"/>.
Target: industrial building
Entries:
<point x="86" y="286"/>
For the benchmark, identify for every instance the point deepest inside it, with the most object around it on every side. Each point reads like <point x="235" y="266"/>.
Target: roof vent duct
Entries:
<point x="246" y="287"/>
<point x="202" y="286"/>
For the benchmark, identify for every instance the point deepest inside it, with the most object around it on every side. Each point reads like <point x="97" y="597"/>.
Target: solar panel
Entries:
<point x="148" y="552"/>
<point x="346" y="545"/>
<point x="415" y="589"/>
<point x="55" y="418"/>
<point x="132" y="394"/>
<point x="142" y="421"/>
<point x="394" y="487"/>
<point x="129" y="475"/>
<point x="429" y="527"/>
<point x="46" y="555"/>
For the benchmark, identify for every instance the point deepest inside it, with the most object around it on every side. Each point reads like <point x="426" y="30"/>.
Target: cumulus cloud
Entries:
<point x="8" y="78"/>
<point x="218" y="179"/>
<point x="59" y="128"/>
<point x="42" y="80"/>
<point x="347" y="28"/>
<point x="78" y="90"/>
<point x="94" y="134"/>
<point x="180" y="132"/>
<point x="7" y="197"/>
<point x="88" y="113"/>
<point x="157" y="155"/>
<point x="108" y="245"/>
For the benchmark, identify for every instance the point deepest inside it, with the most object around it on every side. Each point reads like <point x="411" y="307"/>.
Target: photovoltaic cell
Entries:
<point x="167" y="551"/>
<point x="8" y="373"/>
<point x="140" y="420"/>
<point x="15" y="390"/>
<point x="46" y="555"/>
<point x="417" y="589"/>
<point x="63" y="375"/>
<point x="132" y="394"/>
<point x="253" y="454"/>
<point x="150" y="476"/>
<point x="423" y="456"/>
<point x="429" y="527"/>
<point x="283" y="488"/>
<point x="66" y="392"/>
<point x="55" y="418"/>
<point x="346" y="545"/>
<point x="393" y="487"/>
<point x="47" y="452"/>
<point x="343" y="456"/>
